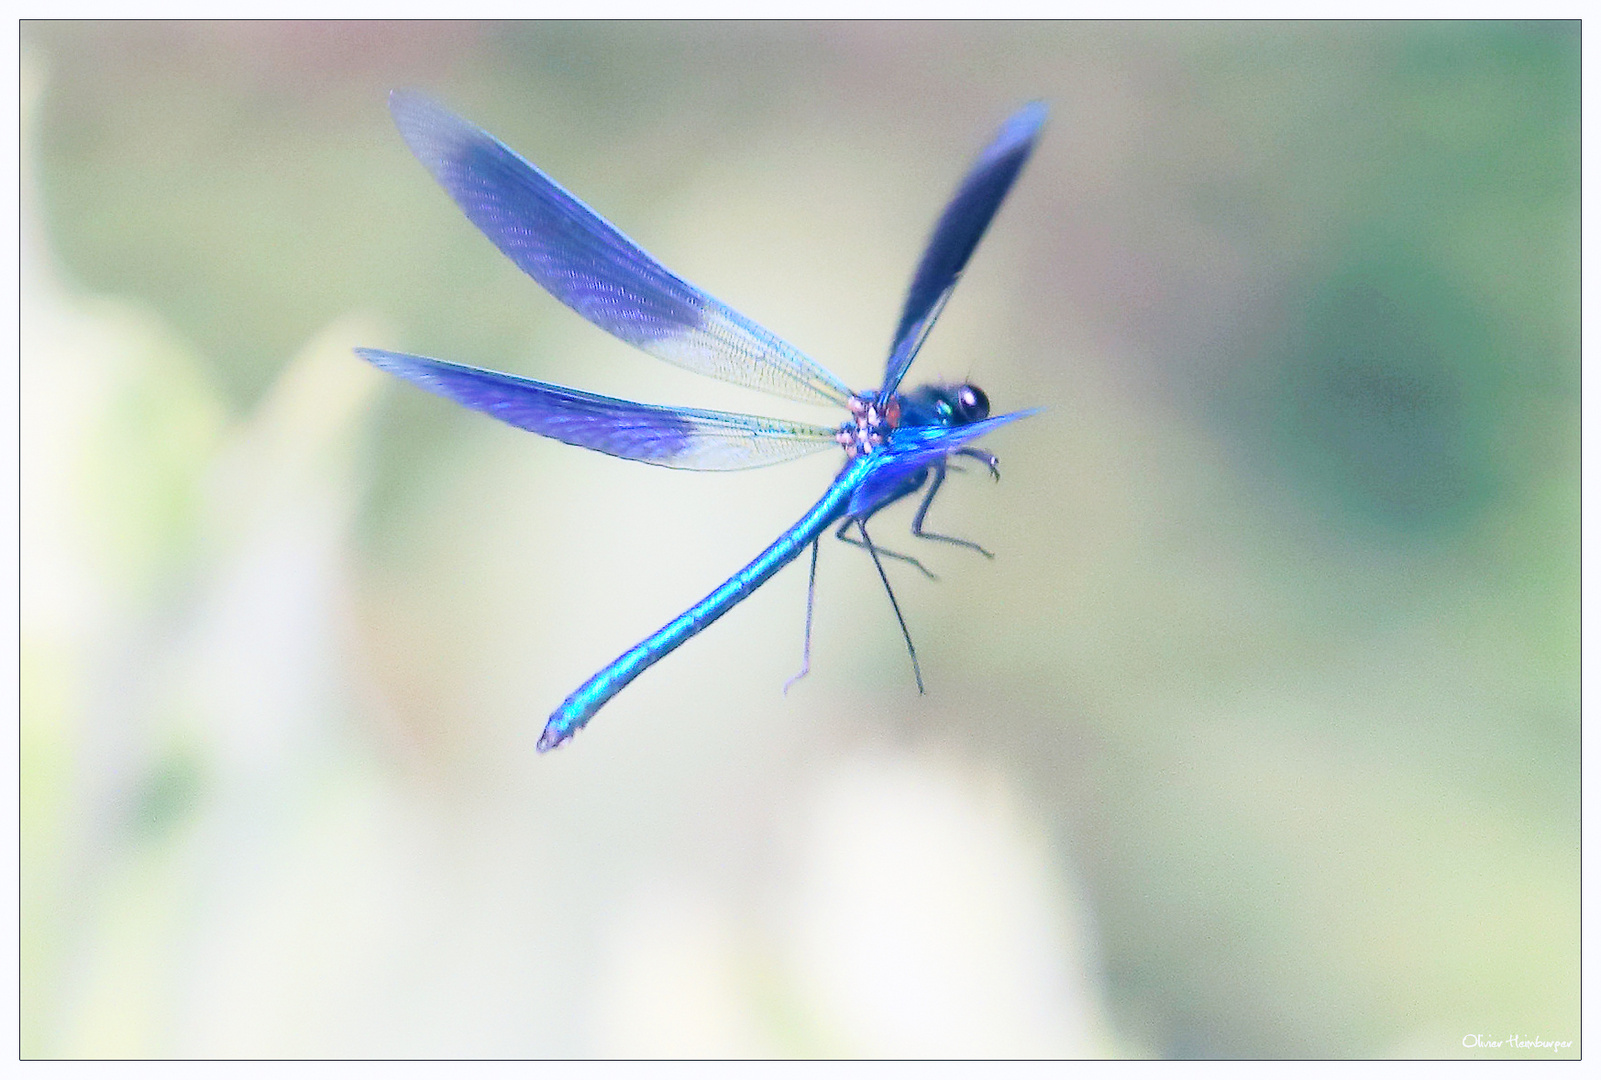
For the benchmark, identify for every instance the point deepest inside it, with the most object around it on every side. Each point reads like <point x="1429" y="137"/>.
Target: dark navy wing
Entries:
<point x="677" y="438"/>
<point x="956" y="235"/>
<point x="586" y="263"/>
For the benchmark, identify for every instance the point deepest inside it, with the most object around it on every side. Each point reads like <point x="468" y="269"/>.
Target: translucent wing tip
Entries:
<point x="1016" y="137"/>
<point x="407" y="106"/>
<point x="417" y="370"/>
<point x="412" y="109"/>
<point x="1023" y="127"/>
<point x="431" y="375"/>
<point x="400" y="364"/>
<point x="435" y="135"/>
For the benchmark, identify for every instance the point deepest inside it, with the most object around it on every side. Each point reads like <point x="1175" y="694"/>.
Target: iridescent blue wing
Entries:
<point x="956" y="235"/>
<point x="586" y="263"/>
<point x="676" y="438"/>
<point x="914" y="448"/>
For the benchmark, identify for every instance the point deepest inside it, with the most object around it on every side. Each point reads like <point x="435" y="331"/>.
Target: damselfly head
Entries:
<point x="944" y="406"/>
<point x="972" y="404"/>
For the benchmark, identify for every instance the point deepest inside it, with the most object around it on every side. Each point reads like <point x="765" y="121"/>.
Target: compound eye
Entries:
<point x="972" y="403"/>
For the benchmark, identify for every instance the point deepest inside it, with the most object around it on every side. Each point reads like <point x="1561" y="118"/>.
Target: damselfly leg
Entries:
<point x="806" y="644"/>
<point x="989" y="460"/>
<point x="911" y="650"/>
<point x="839" y="534"/>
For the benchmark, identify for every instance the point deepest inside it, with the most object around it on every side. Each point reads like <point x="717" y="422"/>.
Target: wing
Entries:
<point x="676" y="438"/>
<point x="914" y="448"/>
<point x="956" y="235"/>
<point x="586" y="263"/>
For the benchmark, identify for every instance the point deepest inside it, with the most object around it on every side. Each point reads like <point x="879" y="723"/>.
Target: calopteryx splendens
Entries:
<point x="895" y="443"/>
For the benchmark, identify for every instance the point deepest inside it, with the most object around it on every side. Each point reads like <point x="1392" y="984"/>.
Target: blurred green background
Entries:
<point x="1259" y="737"/>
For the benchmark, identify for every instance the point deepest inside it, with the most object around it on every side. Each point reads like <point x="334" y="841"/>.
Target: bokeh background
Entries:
<point x="1259" y="737"/>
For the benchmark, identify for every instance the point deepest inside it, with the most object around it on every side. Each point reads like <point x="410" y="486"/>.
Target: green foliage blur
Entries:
<point x="1276" y="675"/>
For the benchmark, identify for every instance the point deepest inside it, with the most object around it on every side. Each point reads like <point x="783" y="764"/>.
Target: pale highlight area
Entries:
<point x="929" y="922"/>
<point x="676" y="979"/>
<point x="190" y="802"/>
<point x="917" y="914"/>
<point x="238" y="710"/>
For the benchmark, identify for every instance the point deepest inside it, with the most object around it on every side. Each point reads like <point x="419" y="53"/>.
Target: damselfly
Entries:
<point x="895" y="444"/>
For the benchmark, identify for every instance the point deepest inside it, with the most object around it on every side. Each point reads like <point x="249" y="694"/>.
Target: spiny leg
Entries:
<point x="917" y="672"/>
<point x="933" y="489"/>
<point x="839" y="534"/>
<point x="806" y="647"/>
